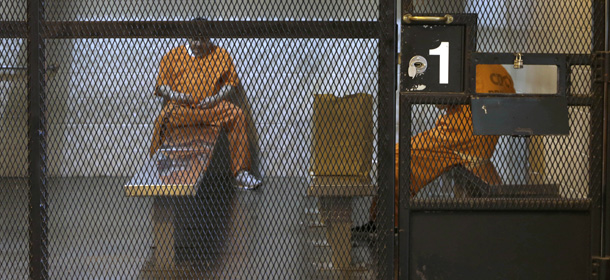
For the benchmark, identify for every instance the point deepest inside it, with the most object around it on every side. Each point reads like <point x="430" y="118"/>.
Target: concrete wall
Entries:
<point x="13" y="92"/>
<point x="13" y="109"/>
<point x="102" y="108"/>
<point x="13" y="10"/>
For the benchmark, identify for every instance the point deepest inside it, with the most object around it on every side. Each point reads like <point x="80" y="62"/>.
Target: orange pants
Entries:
<point x="224" y="114"/>
<point x="427" y="165"/>
<point x="451" y="142"/>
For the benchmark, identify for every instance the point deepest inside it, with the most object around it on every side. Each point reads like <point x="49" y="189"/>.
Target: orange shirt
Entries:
<point x="453" y="130"/>
<point x="199" y="77"/>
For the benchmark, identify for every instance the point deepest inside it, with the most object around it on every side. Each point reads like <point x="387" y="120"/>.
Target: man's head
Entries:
<point x="199" y="44"/>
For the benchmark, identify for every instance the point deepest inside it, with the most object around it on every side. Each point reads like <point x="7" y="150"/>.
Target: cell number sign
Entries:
<point x="433" y="57"/>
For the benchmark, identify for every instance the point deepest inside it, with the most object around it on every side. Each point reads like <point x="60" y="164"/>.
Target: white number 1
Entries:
<point x="443" y="52"/>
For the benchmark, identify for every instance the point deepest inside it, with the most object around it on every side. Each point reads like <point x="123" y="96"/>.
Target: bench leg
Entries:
<point x="163" y="221"/>
<point x="336" y="213"/>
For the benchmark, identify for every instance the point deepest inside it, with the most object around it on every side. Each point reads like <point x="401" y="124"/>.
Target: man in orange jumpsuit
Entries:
<point x="196" y="79"/>
<point x="451" y="142"/>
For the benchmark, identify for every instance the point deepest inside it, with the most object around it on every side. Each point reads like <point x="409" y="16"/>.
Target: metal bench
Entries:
<point x="178" y="166"/>
<point x="181" y="175"/>
<point x="335" y="195"/>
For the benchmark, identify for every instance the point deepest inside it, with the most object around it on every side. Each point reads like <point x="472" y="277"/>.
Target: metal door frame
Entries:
<point x="601" y="43"/>
<point x="598" y="212"/>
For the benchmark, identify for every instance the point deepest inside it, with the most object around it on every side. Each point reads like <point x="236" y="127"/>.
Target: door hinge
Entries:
<point x="600" y="268"/>
<point x="601" y="67"/>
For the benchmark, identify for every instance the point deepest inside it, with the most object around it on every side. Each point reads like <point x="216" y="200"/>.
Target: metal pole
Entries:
<point x="36" y="145"/>
<point x="605" y="192"/>
<point x="387" y="131"/>
<point x="601" y="17"/>
<point x="404" y="213"/>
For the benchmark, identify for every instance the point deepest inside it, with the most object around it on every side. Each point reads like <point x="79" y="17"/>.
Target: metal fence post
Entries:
<point x="36" y="145"/>
<point x="387" y="129"/>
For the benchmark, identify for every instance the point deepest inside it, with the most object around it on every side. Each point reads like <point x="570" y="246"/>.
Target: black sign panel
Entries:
<point x="524" y="113"/>
<point x="432" y="58"/>
<point x="513" y="115"/>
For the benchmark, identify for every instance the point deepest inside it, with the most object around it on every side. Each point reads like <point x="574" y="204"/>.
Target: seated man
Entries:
<point x="451" y="142"/>
<point x="196" y="80"/>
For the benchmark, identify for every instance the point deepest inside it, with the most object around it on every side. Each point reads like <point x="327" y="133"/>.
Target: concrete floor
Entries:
<point x="95" y="231"/>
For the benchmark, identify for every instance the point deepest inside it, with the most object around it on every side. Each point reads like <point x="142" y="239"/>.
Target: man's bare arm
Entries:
<point x="169" y="94"/>
<point x="211" y="101"/>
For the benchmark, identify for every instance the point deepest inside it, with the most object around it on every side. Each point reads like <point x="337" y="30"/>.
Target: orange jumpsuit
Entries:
<point x="201" y="77"/>
<point x="452" y="142"/>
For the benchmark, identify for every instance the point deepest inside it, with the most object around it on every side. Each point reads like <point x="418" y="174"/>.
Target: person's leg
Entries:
<point x="487" y="172"/>
<point x="232" y="119"/>
<point x="426" y="165"/>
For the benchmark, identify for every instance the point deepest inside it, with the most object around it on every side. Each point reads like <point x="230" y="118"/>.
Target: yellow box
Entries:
<point x="342" y="135"/>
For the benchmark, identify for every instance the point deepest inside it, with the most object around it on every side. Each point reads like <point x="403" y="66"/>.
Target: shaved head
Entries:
<point x="199" y="44"/>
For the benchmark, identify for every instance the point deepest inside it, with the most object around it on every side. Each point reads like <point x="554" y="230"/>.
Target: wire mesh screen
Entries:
<point x="525" y="26"/>
<point x="13" y="10"/>
<point x="171" y="153"/>
<point x="217" y="10"/>
<point x="13" y="158"/>
<point x="452" y="167"/>
<point x="102" y="114"/>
